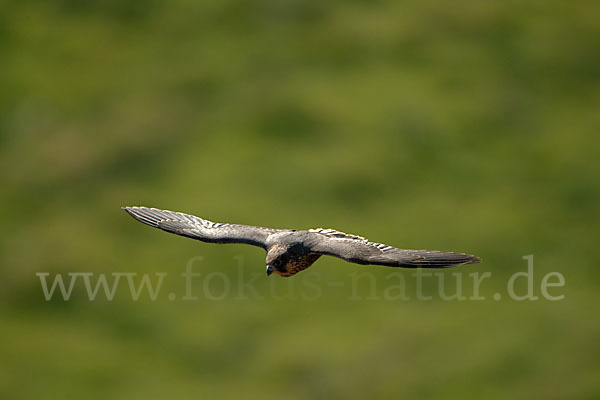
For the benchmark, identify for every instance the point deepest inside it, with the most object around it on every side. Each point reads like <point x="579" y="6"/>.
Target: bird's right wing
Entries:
<point x="201" y="229"/>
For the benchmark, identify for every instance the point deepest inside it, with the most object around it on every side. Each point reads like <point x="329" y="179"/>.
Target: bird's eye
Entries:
<point x="277" y="263"/>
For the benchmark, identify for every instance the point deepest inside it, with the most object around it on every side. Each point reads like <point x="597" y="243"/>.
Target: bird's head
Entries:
<point x="277" y="260"/>
<point x="288" y="260"/>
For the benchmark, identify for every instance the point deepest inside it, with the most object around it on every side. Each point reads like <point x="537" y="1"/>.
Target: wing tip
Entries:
<point x="466" y="259"/>
<point x="473" y="259"/>
<point x="438" y="259"/>
<point x="143" y="214"/>
<point x="133" y="209"/>
<point x="129" y="208"/>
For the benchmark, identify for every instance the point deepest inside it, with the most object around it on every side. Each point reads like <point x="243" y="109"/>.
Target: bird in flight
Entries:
<point x="290" y="251"/>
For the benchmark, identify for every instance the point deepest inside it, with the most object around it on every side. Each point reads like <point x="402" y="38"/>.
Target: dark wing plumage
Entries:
<point x="359" y="250"/>
<point x="201" y="229"/>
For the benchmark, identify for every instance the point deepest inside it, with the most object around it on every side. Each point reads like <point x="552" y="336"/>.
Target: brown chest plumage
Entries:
<point x="297" y="264"/>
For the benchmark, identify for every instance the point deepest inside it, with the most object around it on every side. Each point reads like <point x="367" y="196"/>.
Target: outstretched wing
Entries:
<point x="201" y="229"/>
<point x="359" y="250"/>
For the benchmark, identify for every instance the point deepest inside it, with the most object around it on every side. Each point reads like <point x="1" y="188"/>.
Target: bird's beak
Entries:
<point x="270" y="270"/>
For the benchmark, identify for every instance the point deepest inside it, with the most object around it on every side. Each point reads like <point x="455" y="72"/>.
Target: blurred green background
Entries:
<point x="463" y="126"/>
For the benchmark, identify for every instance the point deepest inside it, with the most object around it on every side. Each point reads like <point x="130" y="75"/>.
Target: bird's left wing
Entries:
<point x="201" y="229"/>
<point x="359" y="250"/>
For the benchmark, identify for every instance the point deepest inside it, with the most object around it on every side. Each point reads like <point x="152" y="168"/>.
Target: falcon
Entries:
<point x="290" y="251"/>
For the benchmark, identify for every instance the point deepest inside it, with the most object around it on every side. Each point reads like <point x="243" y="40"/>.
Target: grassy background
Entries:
<point x="467" y="125"/>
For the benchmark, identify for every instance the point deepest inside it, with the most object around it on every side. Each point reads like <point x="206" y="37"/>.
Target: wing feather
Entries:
<point x="201" y="229"/>
<point x="359" y="250"/>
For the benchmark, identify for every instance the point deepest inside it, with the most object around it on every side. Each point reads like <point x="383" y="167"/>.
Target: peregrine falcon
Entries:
<point x="290" y="251"/>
